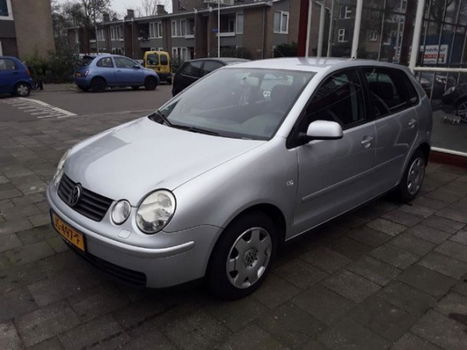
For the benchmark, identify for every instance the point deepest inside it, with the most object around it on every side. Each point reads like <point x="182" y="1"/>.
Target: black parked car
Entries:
<point x="455" y="101"/>
<point x="190" y="71"/>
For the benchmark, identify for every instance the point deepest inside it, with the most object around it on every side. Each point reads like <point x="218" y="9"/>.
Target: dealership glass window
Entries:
<point x="341" y="35"/>
<point x="346" y="12"/>
<point x="5" y="9"/>
<point x="281" y="22"/>
<point x="239" y="23"/>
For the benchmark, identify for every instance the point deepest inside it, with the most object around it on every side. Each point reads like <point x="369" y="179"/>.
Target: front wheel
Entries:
<point x="22" y="89"/>
<point x="413" y="177"/>
<point x="150" y="83"/>
<point x="242" y="257"/>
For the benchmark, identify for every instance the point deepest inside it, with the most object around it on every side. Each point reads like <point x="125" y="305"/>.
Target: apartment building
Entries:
<point x="247" y="28"/>
<point x="26" y="28"/>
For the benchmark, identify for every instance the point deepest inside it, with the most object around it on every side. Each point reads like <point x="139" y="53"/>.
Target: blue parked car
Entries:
<point x="98" y="73"/>
<point x="14" y="77"/>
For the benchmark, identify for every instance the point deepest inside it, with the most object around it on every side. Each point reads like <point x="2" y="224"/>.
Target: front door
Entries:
<point x="335" y="175"/>
<point x="127" y="72"/>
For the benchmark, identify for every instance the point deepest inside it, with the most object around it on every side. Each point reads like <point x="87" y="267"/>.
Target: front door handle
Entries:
<point x="366" y="141"/>
<point x="412" y="123"/>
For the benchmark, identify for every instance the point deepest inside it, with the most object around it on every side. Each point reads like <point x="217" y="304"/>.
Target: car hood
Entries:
<point x="129" y="161"/>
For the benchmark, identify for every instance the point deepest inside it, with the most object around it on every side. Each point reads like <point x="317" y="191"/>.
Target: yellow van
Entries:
<point x="159" y="61"/>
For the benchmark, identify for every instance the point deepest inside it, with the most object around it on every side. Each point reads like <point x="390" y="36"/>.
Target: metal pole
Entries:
<point x="331" y="28"/>
<point x="95" y="26"/>
<point x="218" y="28"/>
<point x="417" y="30"/>
<point x="356" y="30"/>
<point x="322" y="14"/>
<point x="381" y="34"/>
<point x="308" y="28"/>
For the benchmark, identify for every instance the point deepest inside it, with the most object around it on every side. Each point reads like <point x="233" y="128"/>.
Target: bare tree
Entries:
<point x="149" y="7"/>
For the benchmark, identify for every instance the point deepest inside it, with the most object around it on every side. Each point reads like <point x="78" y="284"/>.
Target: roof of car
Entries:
<point x="221" y="59"/>
<point x="313" y="64"/>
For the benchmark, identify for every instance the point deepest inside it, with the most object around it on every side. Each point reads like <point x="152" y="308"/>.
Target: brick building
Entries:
<point x="26" y="28"/>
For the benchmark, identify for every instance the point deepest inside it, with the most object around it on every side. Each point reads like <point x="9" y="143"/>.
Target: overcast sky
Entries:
<point x="120" y="6"/>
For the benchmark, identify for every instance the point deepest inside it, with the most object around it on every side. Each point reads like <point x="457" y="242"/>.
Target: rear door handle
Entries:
<point x="412" y="123"/>
<point x="366" y="141"/>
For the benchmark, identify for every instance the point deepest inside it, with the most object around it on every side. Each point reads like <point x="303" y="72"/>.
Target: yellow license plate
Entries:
<point x="69" y="233"/>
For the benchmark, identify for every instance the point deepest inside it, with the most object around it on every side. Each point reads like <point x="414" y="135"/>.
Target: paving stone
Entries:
<point x="453" y="214"/>
<point x="9" y="241"/>
<point x="45" y="323"/>
<point x="444" y="265"/>
<point x="323" y="304"/>
<point x="443" y="224"/>
<point x="394" y="256"/>
<point x="429" y="233"/>
<point x="291" y="325"/>
<point x="411" y="342"/>
<point x="12" y="226"/>
<point x="374" y="270"/>
<point x="103" y="331"/>
<point x="452" y="303"/>
<point x="49" y="344"/>
<point x="252" y="338"/>
<point x="8" y="194"/>
<point x="3" y="179"/>
<point x="454" y="250"/>
<point x="16" y="212"/>
<point x="15" y="302"/>
<point x="275" y="291"/>
<point x="368" y="236"/>
<point x="386" y="226"/>
<point x="444" y="196"/>
<point x="461" y="287"/>
<point x="430" y="203"/>
<point x="348" y="247"/>
<point x="148" y="340"/>
<point x="9" y="338"/>
<point x="402" y="217"/>
<point x="351" y="286"/>
<point x="407" y="298"/>
<point x="441" y="330"/>
<point x="417" y="210"/>
<point x="426" y="280"/>
<point x="326" y="259"/>
<point x="412" y="244"/>
<point x="29" y="253"/>
<point x="36" y="234"/>
<point x="460" y="237"/>
<point x="300" y="273"/>
<point x="382" y="317"/>
<point x="351" y="335"/>
<point x="39" y="219"/>
<point x="313" y="345"/>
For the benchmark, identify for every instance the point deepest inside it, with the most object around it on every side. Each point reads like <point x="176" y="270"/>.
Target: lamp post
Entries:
<point x="218" y="28"/>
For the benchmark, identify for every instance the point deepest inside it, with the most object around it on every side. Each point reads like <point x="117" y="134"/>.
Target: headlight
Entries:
<point x="121" y="211"/>
<point x="155" y="212"/>
<point x="61" y="164"/>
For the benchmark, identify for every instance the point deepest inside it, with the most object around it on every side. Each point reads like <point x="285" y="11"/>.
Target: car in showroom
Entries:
<point x="103" y="71"/>
<point x="15" y="77"/>
<point x="249" y="157"/>
<point x="454" y="100"/>
<point x="192" y="70"/>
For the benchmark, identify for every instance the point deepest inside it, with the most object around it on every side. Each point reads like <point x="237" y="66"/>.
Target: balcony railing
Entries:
<point x="222" y="2"/>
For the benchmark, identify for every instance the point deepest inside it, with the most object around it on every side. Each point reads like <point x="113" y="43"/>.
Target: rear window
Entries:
<point x="85" y="61"/>
<point x="7" y="64"/>
<point x="152" y="59"/>
<point x="164" y="59"/>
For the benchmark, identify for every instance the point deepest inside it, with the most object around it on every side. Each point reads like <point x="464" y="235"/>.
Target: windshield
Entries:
<point x="237" y="102"/>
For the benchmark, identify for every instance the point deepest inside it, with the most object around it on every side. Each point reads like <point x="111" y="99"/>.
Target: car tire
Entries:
<point x="22" y="89"/>
<point x="150" y="83"/>
<point x="135" y="87"/>
<point x="412" y="179"/>
<point x="98" y="84"/>
<point x="242" y="256"/>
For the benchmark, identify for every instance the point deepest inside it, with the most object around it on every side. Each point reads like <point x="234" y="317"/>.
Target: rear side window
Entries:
<point x="390" y="90"/>
<point x="193" y="69"/>
<point x="210" y="66"/>
<point x="6" y="64"/>
<point x="105" y="62"/>
<point x="123" y="62"/>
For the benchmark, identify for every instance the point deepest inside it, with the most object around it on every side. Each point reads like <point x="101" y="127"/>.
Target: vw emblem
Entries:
<point x="74" y="195"/>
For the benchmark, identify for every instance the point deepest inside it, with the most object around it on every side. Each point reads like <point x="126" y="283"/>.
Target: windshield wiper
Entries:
<point x="161" y="116"/>
<point x="195" y="129"/>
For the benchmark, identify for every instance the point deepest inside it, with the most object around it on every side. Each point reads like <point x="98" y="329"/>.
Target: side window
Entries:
<point x="6" y="64"/>
<point x="210" y="66"/>
<point x="339" y="99"/>
<point x="123" y="62"/>
<point x="193" y="69"/>
<point x="390" y="90"/>
<point x="105" y="62"/>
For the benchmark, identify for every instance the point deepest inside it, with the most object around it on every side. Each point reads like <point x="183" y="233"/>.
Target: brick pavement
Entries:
<point x="387" y="275"/>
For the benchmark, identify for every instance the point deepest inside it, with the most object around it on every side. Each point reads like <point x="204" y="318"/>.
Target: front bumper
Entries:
<point x="180" y="257"/>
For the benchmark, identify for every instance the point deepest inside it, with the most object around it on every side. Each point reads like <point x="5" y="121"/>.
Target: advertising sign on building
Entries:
<point x="432" y="54"/>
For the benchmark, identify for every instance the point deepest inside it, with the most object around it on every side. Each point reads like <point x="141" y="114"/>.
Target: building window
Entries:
<point x="182" y="27"/>
<point x="341" y="35"/>
<point x="281" y="22"/>
<point x="5" y="9"/>
<point x="116" y="33"/>
<point x="190" y="27"/>
<point x="175" y="29"/>
<point x="372" y="35"/>
<point x="239" y="24"/>
<point x="1" y="49"/>
<point x="346" y="12"/>
<point x="100" y="35"/>
<point x="155" y="30"/>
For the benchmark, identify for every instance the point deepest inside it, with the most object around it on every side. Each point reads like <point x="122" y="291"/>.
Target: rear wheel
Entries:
<point x="22" y="89"/>
<point x="242" y="256"/>
<point x="150" y="83"/>
<point x="98" y="84"/>
<point x="413" y="177"/>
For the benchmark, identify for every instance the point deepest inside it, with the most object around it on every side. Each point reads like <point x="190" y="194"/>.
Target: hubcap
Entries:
<point x="415" y="176"/>
<point x="22" y="90"/>
<point x="249" y="257"/>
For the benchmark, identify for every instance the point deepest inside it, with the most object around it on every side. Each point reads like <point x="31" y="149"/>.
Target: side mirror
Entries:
<point x="324" y="130"/>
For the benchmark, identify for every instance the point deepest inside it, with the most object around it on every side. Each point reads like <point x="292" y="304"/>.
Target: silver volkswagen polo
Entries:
<point x="249" y="157"/>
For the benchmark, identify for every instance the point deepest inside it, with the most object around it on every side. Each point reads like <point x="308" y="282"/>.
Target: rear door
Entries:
<point x="335" y="175"/>
<point x="106" y="69"/>
<point x="9" y="75"/>
<point x="392" y="103"/>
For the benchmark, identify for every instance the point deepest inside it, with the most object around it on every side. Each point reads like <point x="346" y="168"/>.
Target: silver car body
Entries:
<point x="214" y="179"/>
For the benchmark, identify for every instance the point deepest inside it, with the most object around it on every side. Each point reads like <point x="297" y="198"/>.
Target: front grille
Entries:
<point x="131" y="277"/>
<point x="90" y="204"/>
